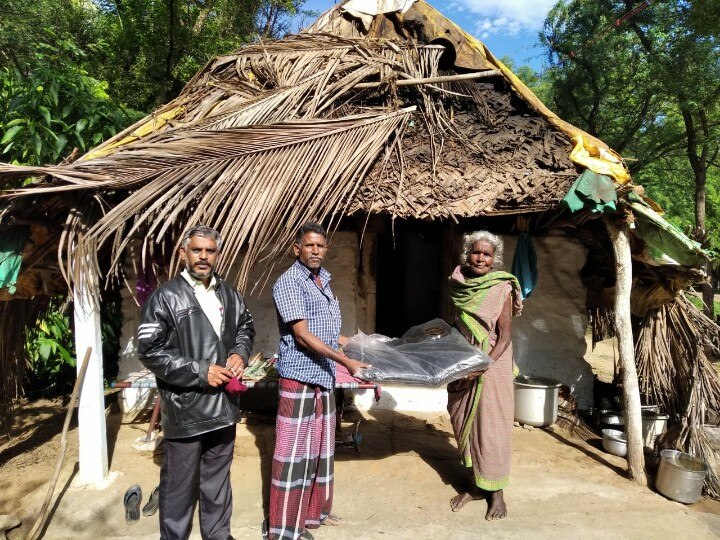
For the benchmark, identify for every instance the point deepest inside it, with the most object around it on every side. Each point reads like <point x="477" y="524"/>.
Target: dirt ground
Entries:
<point x="398" y="486"/>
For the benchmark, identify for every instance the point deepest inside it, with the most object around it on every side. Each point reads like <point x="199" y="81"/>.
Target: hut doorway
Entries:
<point x="409" y="276"/>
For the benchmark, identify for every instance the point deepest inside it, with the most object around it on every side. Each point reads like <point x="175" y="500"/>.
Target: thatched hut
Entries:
<point x="400" y="132"/>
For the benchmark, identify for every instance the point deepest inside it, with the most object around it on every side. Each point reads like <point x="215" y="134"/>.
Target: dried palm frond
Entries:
<point x="256" y="184"/>
<point x="15" y="317"/>
<point x="601" y="322"/>
<point x="675" y="351"/>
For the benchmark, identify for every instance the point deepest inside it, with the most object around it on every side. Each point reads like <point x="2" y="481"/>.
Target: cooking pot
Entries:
<point x="536" y="400"/>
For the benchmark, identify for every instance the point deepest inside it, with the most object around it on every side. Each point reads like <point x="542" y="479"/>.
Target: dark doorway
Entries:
<point x="409" y="277"/>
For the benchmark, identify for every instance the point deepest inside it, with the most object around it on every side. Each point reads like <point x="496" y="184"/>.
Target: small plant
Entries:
<point x="51" y="348"/>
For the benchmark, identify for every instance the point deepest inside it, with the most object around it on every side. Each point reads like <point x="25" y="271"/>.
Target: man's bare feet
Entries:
<point x="496" y="506"/>
<point x="332" y="520"/>
<point x="458" y="501"/>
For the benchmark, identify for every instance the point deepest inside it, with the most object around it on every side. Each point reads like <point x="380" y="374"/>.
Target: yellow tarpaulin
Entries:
<point x="599" y="160"/>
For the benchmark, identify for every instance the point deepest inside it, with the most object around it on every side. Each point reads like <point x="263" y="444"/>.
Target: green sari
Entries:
<point x="478" y="303"/>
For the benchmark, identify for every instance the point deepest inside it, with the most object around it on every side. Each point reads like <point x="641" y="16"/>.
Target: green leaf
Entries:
<point x="54" y="93"/>
<point x="67" y="358"/>
<point x="38" y="145"/>
<point x="45" y="114"/>
<point x="10" y="134"/>
<point x="81" y="125"/>
<point x="44" y="350"/>
<point x="49" y="132"/>
<point x="8" y="147"/>
<point x="15" y="122"/>
<point x="60" y="143"/>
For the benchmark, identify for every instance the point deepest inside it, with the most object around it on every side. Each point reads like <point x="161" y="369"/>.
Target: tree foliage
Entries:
<point x="72" y="72"/>
<point x="151" y="48"/>
<point x="75" y="72"/>
<point x="46" y="112"/>
<point x="648" y="85"/>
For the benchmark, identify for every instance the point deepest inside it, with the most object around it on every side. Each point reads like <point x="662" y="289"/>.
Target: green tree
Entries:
<point x="48" y="111"/>
<point x="49" y="103"/>
<point x="534" y="80"/>
<point x="151" y="48"/>
<point x="646" y="79"/>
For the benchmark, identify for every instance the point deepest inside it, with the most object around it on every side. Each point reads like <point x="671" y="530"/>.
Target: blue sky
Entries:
<point x="507" y="27"/>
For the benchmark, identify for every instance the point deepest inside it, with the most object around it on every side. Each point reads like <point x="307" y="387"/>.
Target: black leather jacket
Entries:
<point x="177" y="343"/>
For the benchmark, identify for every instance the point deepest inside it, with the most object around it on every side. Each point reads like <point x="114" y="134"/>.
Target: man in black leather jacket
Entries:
<point x="196" y="334"/>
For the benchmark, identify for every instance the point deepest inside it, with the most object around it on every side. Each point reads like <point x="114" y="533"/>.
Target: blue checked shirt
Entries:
<point x="297" y="297"/>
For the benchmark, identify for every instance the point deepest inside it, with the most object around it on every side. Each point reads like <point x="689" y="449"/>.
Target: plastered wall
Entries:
<point x="549" y="337"/>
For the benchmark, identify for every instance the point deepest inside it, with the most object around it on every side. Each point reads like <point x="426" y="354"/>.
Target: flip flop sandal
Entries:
<point x="152" y="505"/>
<point x="306" y="535"/>
<point x="131" y="501"/>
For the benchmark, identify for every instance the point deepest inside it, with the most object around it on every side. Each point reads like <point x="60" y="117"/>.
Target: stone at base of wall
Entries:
<point x="403" y="398"/>
<point x="394" y="398"/>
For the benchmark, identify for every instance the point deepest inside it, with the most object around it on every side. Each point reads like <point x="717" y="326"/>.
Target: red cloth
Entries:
<point x="235" y="386"/>
<point x="342" y="375"/>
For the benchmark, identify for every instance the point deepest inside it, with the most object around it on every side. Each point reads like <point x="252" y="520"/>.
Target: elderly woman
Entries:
<point x="481" y="405"/>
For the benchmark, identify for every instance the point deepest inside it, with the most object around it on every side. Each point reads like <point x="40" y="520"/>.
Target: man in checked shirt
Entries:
<point x="309" y="319"/>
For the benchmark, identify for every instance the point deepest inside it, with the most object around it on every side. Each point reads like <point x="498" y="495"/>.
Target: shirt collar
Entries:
<point x="196" y="282"/>
<point x="306" y="272"/>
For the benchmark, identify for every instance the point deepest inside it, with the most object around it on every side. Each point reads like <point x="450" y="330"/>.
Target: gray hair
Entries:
<point x="470" y="239"/>
<point x="309" y="227"/>
<point x="205" y="232"/>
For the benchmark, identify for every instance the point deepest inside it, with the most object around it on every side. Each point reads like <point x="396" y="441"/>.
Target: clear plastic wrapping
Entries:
<point x="430" y="354"/>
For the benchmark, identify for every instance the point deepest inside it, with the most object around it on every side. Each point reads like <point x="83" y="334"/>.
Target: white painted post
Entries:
<point x="91" y="407"/>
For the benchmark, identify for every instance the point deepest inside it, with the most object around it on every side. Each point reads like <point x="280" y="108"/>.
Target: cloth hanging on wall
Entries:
<point x="12" y="244"/>
<point x="524" y="265"/>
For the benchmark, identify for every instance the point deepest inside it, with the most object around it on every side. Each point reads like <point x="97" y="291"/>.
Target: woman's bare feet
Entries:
<point x="460" y="500"/>
<point x="496" y="506"/>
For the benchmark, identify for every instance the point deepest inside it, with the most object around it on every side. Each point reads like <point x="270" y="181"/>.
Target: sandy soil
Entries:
<point x="398" y="486"/>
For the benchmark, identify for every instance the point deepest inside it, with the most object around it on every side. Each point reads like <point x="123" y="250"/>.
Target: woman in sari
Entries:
<point x="481" y="406"/>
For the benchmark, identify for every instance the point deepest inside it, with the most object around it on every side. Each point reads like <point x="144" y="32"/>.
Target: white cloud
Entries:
<point x="508" y="17"/>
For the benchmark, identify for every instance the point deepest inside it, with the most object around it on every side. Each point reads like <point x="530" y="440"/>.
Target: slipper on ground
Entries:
<point x="153" y="504"/>
<point x="131" y="502"/>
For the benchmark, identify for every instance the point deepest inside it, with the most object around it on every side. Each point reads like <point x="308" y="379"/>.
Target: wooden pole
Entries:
<point x="619" y="236"/>
<point x="434" y="80"/>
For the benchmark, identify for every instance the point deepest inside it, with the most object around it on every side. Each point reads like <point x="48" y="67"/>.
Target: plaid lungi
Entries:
<point x="301" y="490"/>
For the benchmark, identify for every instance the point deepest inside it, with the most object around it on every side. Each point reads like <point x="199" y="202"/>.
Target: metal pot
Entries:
<point x="536" y="400"/>
<point x="653" y="423"/>
<point x="680" y="476"/>
<point x="607" y="417"/>
<point x="615" y="442"/>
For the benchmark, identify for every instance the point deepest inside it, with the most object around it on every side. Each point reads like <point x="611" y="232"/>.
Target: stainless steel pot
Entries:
<point x="680" y="476"/>
<point x="536" y="400"/>
<point x="615" y="442"/>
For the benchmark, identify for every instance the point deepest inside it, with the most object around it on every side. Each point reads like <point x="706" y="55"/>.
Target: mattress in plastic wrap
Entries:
<point x="430" y="354"/>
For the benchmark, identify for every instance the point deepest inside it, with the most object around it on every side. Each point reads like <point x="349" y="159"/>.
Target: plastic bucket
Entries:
<point x="536" y="400"/>
<point x="680" y="476"/>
